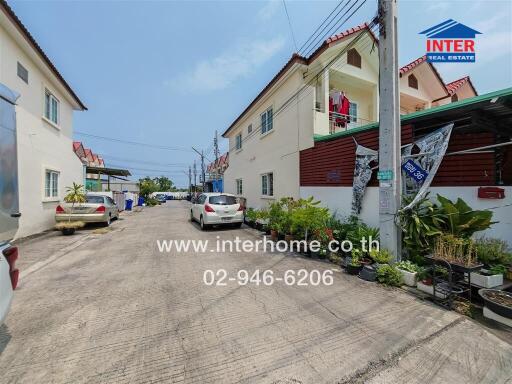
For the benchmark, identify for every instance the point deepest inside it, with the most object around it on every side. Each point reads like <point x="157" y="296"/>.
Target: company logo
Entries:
<point x="450" y="42"/>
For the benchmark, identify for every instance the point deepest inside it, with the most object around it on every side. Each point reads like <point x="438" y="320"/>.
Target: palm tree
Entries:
<point x="75" y="195"/>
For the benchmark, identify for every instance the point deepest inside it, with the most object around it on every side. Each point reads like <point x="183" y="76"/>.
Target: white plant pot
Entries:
<point x="409" y="278"/>
<point x="486" y="281"/>
<point x="430" y="290"/>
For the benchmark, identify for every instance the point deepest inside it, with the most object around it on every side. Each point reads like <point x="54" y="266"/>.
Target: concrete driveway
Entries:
<point x="109" y="308"/>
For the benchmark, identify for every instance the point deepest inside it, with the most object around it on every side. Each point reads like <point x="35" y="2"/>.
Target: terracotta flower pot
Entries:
<point x="273" y="235"/>
<point x="288" y="238"/>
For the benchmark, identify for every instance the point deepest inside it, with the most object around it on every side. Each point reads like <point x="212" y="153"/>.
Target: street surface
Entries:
<point x="107" y="307"/>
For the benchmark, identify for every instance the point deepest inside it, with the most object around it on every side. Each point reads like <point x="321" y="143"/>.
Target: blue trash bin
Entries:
<point x="128" y="205"/>
<point x="140" y="202"/>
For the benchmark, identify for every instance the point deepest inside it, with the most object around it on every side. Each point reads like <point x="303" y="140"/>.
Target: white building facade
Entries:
<point x="47" y="163"/>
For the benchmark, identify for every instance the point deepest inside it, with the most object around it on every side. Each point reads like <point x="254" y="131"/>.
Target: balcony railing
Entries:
<point x="339" y="122"/>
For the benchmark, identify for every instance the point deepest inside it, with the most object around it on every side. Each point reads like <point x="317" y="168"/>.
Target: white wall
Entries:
<point x="339" y="199"/>
<point x="41" y="145"/>
<point x="276" y="151"/>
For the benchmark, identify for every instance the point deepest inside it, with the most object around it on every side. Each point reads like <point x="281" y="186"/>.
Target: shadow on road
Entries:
<point x="5" y="337"/>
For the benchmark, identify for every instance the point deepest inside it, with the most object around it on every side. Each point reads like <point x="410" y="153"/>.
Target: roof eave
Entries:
<point x="33" y="43"/>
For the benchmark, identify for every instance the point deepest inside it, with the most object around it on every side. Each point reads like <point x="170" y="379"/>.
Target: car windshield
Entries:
<point x="94" y="199"/>
<point x="222" y="200"/>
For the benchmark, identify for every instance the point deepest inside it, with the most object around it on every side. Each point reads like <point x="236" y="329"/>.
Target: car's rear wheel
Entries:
<point x="203" y="226"/>
<point x="107" y="223"/>
<point x="191" y="216"/>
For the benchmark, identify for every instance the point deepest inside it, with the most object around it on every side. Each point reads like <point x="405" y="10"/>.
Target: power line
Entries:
<point x="313" y="43"/>
<point x="104" y="156"/>
<point x="330" y="64"/>
<point x="336" y="27"/>
<point x="290" y="24"/>
<point x="320" y="26"/>
<point x="133" y="142"/>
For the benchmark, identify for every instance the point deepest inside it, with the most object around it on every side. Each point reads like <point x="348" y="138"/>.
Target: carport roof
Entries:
<point x="108" y="171"/>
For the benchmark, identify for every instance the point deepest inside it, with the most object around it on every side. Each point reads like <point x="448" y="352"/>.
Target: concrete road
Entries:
<point x="109" y="308"/>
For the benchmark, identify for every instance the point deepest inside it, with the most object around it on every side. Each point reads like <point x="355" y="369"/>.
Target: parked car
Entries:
<point x="216" y="209"/>
<point x="9" y="199"/>
<point x="161" y="198"/>
<point x="97" y="209"/>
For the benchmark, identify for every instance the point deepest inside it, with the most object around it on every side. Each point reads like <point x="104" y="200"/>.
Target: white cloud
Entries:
<point x="268" y="10"/>
<point x="438" y="6"/>
<point x="222" y="71"/>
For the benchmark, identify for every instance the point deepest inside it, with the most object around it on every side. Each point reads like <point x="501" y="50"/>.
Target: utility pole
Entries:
<point x="189" y="180"/>
<point x="216" y="152"/>
<point x="202" y="165"/>
<point x="195" y="177"/>
<point x="389" y="129"/>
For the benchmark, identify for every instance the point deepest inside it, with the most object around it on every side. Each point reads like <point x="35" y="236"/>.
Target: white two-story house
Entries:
<point x="296" y="106"/>
<point x="47" y="163"/>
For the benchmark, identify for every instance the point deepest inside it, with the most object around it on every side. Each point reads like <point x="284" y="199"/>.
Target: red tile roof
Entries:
<point x="455" y="85"/>
<point x="76" y="145"/>
<point x="413" y="64"/>
<point x="296" y="58"/>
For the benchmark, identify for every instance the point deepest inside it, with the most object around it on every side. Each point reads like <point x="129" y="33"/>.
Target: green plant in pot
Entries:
<point x="362" y="233"/>
<point x="75" y="195"/>
<point x="381" y="256"/>
<point x="354" y="265"/>
<point x="389" y="275"/>
<point x="251" y="216"/>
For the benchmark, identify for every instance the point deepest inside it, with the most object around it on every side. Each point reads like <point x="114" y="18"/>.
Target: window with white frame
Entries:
<point x="51" y="184"/>
<point x="239" y="187"/>
<point x="51" y="107"/>
<point x="352" y="112"/>
<point x="267" y="122"/>
<point x="238" y="141"/>
<point x="267" y="184"/>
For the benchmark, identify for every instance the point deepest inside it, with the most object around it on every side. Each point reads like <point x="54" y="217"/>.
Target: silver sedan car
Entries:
<point x="96" y="209"/>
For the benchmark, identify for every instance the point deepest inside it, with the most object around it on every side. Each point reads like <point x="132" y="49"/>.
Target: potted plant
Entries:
<point x="368" y="273"/>
<point x="493" y="253"/>
<point x="459" y="252"/>
<point x="497" y="303"/>
<point x="409" y="272"/>
<point x="75" y="195"/>
<point x="425" y="282"/>
<point x="381" y="257"/>
<point x="389" y="275"/>
<point x="354" y="266"/>
<point x="251" y="216"/>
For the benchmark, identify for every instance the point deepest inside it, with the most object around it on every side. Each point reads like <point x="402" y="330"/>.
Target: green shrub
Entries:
<point x="251" y="214"/>
<point x="461" y="220"/>
<point x="492" y="251"/>
<point x="498" y="269"/>
<point x="389" y="275"/>
<point x="408" y="266"/>
<point x="382" y="256"/>
<point x="151" y="201"/>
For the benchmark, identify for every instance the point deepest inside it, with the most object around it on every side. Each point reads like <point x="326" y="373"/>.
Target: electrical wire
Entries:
<point x="133" y="142"/>
<point x="320" y="26"/>
<point x="337" y="26"/>
<point x="104" y="156"/>
<point x="313" y="43"/>
<point x="290" y="25"/>
<point x="297" y="93"/>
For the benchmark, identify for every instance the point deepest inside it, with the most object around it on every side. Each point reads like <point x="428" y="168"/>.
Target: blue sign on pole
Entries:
<point x="415" y="171"/>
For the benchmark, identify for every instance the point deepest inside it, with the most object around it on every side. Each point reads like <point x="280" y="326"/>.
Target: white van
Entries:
<point x="9" y="208"/>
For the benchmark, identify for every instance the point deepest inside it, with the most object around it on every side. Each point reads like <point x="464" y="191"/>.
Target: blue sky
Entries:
<point x="171" y="73"/>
